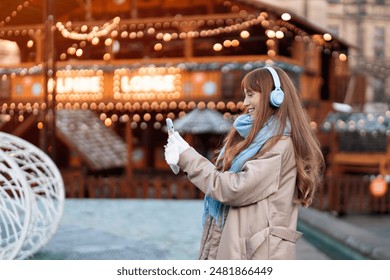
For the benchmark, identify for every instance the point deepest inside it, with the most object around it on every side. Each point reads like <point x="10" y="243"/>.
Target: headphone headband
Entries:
<point x="276" y="96"/>
<point x="275" y="76"/>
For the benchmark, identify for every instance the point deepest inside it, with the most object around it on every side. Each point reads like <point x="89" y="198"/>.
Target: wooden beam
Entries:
<point x="173" y="60"/>
<point x="24" y="126"/>
<point x="135" y="21"/>
<point x="164" y="60"/>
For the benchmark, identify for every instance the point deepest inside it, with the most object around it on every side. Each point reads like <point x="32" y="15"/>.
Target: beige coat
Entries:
<point x="262" y="218"/>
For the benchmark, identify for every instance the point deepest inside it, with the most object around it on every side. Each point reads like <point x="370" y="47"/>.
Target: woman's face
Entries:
<point x="252" y="101"/>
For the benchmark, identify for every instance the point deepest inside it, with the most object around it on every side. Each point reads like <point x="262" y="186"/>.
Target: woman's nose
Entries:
<point x="246" y="101"/>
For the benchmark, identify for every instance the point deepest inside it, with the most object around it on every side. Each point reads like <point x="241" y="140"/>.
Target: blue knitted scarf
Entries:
<point x="243" y="125"/>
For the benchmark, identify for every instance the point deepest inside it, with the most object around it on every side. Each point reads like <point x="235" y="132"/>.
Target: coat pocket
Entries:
<point x="272" y="243"/>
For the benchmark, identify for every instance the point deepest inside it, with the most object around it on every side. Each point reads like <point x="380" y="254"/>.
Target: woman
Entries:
<point x="270" y="163"/>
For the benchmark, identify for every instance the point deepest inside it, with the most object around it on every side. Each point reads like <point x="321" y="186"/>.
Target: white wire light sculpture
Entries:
<point x="15" y="207"/>
<point x="47" y="192"/>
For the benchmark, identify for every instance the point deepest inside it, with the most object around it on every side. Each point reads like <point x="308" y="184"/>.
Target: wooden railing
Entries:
<point x="340" y="194"/>
<point x="138" y="186"/>
<point x="350" y="194"/>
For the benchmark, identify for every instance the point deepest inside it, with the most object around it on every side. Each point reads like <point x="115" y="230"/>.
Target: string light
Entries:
<point x="96" y="31"/>
<point x="373" y="124"/>
<point x="133" y="31"/>
<point x="217" y="47"/>
<point x="244" y="34"/>
<point x="286" y="16"/>
<point x="14" y="13"/>
<point x="10" y="111"/>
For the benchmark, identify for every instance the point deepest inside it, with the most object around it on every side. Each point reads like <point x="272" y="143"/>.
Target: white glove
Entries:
<point x="172" y="156"/>
<point x="178" y="141"/>
<point x="176" y="145"/>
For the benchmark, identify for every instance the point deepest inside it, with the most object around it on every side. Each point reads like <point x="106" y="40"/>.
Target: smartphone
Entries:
<point x="170" y="125"/>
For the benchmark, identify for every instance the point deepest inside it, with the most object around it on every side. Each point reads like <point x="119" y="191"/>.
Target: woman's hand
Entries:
<point x="175" y="146"/>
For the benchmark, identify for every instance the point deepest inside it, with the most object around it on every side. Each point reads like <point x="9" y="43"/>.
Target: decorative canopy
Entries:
<point x="99" y="147"/>
<point x="361" y="132"/>
<point x="200" y="121"/>
<point x="377" y="123"/>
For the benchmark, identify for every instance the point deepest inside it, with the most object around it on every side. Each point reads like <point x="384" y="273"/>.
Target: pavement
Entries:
<point x="135" y="229"/>
<point x="378" y="224"/>
<point x="352" y="236"/>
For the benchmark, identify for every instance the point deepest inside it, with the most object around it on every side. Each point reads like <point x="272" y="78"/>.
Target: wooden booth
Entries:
<point x="134" y="63"/>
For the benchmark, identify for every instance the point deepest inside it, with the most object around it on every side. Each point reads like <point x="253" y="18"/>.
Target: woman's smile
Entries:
<point x="250" y="110"/>
<point x="251" y="101"/>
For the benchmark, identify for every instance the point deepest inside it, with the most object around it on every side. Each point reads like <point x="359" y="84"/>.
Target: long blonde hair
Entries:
<point x="309" y="158"/>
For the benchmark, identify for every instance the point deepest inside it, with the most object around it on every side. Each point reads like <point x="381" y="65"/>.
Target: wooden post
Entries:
<point x="133" y="9"/>
<point x="49" y="69"/>
<point x="88" y="10"/>
<point x="39" y="41"/>
<point x="333" y="170"/>
<point x="129" y="144"/>
<point x="188" y="41"/>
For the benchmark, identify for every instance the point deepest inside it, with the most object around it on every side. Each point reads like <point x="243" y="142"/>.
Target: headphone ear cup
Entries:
<point x="276" y="97"/>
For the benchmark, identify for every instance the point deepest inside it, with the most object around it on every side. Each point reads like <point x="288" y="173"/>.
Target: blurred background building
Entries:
<point x="364" y="25"/>
<point x="94" y="81"/>
<point x="91" y="82"/>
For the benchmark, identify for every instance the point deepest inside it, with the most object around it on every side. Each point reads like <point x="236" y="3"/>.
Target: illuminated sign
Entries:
<point x="79" y="85"/>
<point x="133" y="85"/>
<point x="67" y="85"/>
<point x="147" y="83"/>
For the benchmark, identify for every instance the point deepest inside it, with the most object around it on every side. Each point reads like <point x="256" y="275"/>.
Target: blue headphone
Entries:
<point x="276" y="96"/>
